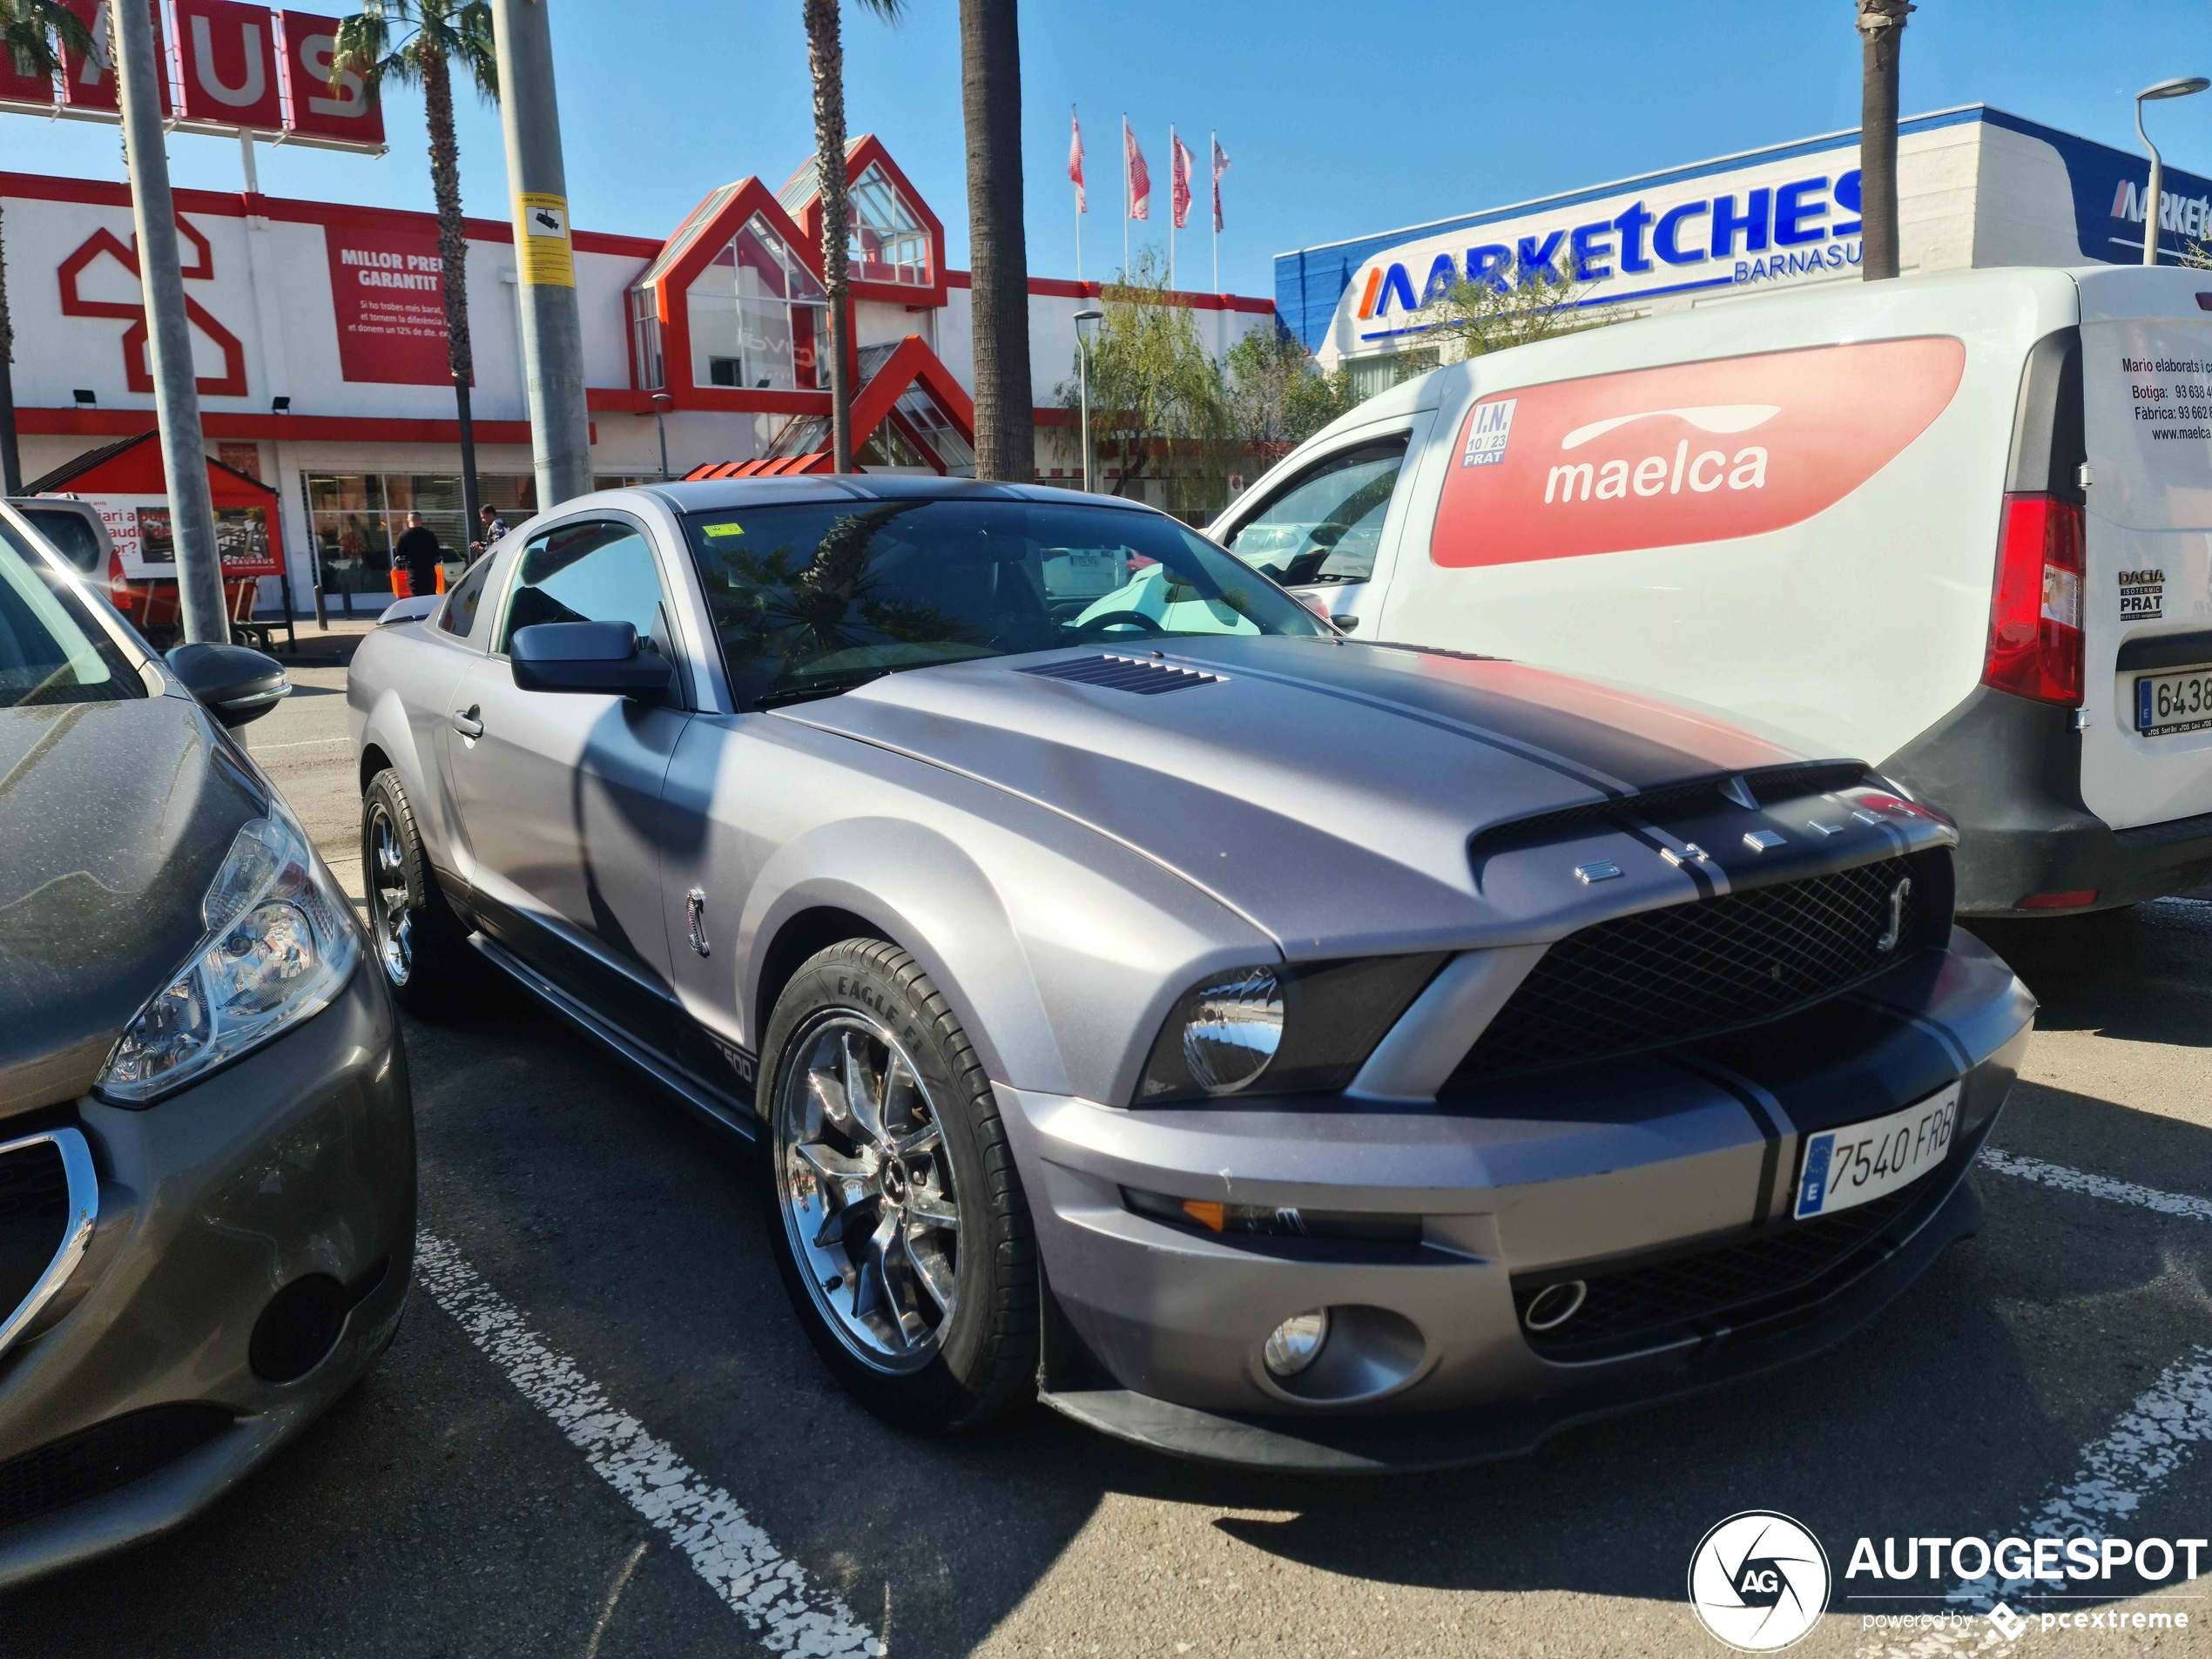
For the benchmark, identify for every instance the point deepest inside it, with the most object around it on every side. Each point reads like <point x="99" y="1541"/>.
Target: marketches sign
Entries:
<point x="231" y="68"/>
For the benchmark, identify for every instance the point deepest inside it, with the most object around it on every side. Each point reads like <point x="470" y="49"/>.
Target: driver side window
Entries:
<point x="596" y="571"/>
<point x="1325" y="525"/>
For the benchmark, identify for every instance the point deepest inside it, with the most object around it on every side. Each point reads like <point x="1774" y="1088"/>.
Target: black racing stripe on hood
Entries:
<point x="1565" y="768"/>
<point x="1603" y="754"/>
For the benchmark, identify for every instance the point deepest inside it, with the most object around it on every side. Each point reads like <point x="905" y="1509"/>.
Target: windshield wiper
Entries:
<point x="829" y="685"/>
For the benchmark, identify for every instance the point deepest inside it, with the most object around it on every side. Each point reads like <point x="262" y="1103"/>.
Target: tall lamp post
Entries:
<point x="2180" y="86"/>
<point x="1088" y="318"/>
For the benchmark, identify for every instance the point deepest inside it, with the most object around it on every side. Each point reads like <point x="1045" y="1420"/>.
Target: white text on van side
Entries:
<point x="1652" y="476"/>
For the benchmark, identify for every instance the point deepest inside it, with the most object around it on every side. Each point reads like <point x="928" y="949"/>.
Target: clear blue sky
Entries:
<point x="1340" y="119"/>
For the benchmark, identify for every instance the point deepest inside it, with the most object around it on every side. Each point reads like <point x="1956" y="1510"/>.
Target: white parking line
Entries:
<point x="2152" y="1439"/>
<point x="769" y="1592"/>
<point x="297" y="743"/>
<point x="2096" y="1186"/>
<point x="2162" y="1428"/>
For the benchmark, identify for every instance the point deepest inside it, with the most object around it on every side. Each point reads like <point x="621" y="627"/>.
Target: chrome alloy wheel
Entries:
<point x="391" y="921"/>
<point x="865" y="1183"/>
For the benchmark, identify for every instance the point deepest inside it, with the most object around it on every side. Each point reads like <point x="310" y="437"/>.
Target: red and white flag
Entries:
<point x="1220" y="166"/>
<point x="1140" y="176"/>
<point x="1076" y="165"/>
<point x="1181" y="165"/>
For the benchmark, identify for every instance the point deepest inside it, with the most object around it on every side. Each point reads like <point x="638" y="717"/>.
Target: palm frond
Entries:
<point x="364" y="47"/>
<point x="475" y="50"/>
<point x="888" y="11"/>
<point x="28" y="29"/>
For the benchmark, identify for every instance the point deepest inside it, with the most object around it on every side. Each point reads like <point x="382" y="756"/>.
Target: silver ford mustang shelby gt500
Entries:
<point x="1266" y="1046"/>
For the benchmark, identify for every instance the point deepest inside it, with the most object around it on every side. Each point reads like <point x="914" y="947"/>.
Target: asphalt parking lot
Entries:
<point x="601" y="1431"/>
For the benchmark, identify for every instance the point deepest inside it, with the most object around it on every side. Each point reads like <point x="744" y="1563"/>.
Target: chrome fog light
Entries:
<point x="1297" y="1342"/>
<point x="1233" y="1029"/>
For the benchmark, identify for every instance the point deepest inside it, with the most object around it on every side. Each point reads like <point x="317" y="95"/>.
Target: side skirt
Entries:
<point x="725" y="1112"/>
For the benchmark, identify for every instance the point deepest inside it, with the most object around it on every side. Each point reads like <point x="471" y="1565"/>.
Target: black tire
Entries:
<point x="418" y="943"/>
<point x="962" y="1363"/>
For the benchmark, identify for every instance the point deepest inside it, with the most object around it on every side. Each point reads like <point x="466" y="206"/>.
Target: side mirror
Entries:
<point x="232" y="683"/>
<point x="600" y="657"/>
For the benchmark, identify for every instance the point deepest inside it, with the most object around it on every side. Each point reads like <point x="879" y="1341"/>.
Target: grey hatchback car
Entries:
<point x="206" y="1146"/>
<point x="1265" y="1046"/>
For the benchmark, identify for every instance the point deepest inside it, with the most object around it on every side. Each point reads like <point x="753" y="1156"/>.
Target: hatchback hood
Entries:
<point x="1326" y="791"/>
<point x="114" y="817"/>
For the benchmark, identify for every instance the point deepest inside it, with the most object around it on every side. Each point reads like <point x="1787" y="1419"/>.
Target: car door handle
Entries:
<point x="468" y="724"/>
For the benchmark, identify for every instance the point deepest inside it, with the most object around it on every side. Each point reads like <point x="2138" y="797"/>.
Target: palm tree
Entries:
<point x="1881" y="32"/>
<point x="447" y="33"/>
<point x="826" y="57"/>
<point x="990" y="87"/>
<point x="28" y="29"/>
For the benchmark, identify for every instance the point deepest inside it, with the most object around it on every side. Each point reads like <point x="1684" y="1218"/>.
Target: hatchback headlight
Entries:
<point x="1280" y="1027"/>
<point x="280" y="944"/>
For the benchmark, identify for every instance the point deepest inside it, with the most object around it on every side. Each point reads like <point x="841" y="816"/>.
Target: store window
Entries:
<point x="889" y="242"/>
<point x="757" y="316"/>
<point x="355" y="517"/>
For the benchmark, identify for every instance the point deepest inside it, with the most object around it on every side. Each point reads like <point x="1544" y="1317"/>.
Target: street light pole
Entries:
<point x="176" y="394"/>
<point x="1089" y="317"/>
<point x="661" y="402"/>
<point x="530" y="117"/>
<point x="2180" y="86"/>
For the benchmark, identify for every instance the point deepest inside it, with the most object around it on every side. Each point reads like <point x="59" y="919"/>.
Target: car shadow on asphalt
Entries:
<point x="2069" y="963"/>
<point x="1956" y="1412"/>
<point x="437" y="1510"/>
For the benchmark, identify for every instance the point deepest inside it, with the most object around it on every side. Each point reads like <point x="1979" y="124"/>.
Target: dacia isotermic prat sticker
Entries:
<point x="1694" y="452"/>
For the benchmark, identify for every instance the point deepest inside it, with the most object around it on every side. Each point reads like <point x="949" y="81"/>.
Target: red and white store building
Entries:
<point x="319" y="335"/>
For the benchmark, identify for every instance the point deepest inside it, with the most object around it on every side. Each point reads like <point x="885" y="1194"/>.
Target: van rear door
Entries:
<point x="2146" y="604"/>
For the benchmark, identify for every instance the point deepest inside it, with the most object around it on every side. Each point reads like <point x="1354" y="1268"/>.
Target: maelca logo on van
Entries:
<point x="1654" y="475"/>
<point x="1684" y="453"/>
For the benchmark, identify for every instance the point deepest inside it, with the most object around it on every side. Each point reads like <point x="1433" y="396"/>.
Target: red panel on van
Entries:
<point x="1694" y="452"/>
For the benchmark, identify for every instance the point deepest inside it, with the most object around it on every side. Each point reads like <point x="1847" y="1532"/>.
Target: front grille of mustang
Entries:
<point x="1662" y="977"/>
<point x="102" y="1458"/>
<point x="1768" y="1274"/>
<point x="34" y="1213"/>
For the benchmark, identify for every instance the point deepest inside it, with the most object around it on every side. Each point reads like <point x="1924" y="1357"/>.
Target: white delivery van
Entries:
<point x="1955" y="525"/>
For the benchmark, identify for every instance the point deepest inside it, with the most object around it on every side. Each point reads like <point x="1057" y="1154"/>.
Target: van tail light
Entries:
<point x="2035" y="617"/>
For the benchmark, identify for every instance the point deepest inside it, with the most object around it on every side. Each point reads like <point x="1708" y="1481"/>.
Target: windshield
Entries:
<point x="50" y="650"/>
<point x="812" y="600"/>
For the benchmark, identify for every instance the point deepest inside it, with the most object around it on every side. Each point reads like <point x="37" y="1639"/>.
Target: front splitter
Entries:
<point x="1407" y="1443"/>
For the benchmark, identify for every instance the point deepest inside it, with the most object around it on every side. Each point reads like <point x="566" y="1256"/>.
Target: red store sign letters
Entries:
<point x="231" y="66"/>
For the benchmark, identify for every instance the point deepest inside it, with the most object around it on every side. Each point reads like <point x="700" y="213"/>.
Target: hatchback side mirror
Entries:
<point x="233" y="683"/>
<point x="601" y="656"/>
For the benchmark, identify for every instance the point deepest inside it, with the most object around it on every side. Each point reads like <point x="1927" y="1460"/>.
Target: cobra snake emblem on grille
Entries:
<point x="1898" y="894"/>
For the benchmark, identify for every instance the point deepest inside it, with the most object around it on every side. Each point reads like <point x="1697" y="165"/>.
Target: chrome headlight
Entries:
<point x="1280" y="1027"/>
<point x="280" y="944"/>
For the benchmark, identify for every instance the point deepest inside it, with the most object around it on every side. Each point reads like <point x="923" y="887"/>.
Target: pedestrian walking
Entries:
<point x="414" y="559"/>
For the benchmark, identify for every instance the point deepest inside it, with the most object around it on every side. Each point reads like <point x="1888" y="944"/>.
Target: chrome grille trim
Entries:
<point x="83" y="1211"/>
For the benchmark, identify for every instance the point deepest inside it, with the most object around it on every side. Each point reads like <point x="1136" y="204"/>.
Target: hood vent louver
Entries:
<point x="1147" y="677"/>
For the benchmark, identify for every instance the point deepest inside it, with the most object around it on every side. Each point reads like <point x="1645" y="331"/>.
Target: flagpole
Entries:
<point x="1173" y="162"/>
<point x="1075" y="116"/>
<point x="1125" y="201"/>
<point x="1213" y="195"/>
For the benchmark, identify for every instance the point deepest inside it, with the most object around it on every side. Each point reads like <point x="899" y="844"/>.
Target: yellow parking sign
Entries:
<point x="541" y="251"/>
